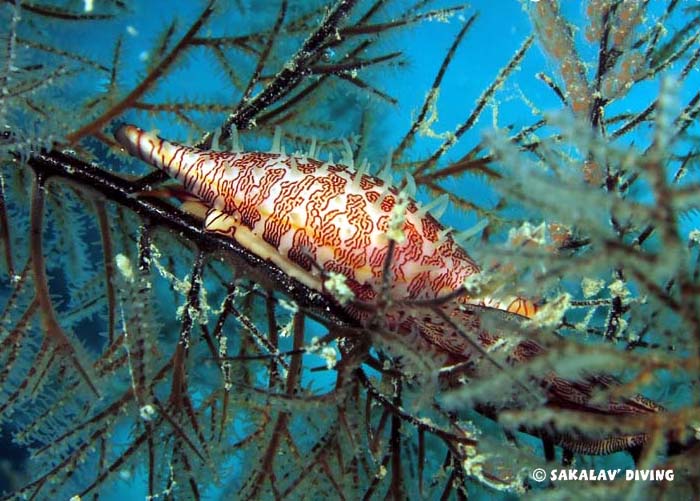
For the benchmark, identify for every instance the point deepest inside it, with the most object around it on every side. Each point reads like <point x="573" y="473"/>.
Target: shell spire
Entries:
<point x="175" y="159"/>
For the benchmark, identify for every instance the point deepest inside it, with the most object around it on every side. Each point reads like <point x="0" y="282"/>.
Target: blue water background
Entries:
<point x="500" y="29"/>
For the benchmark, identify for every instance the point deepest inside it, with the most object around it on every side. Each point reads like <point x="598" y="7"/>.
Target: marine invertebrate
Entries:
<point x="314" y="218"/>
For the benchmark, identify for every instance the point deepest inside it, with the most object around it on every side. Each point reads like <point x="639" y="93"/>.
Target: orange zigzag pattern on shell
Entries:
<point x="292" y="209"/>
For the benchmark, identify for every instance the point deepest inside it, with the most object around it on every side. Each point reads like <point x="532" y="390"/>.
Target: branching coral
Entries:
<point x="137" y="348"/>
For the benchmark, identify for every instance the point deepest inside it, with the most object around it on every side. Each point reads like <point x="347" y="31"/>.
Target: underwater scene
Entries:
<point x="349" y="249"/>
